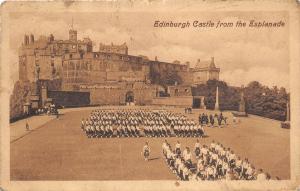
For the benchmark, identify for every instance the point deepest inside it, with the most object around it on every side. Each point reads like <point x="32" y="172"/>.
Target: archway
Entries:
<point x="129" y="97"/>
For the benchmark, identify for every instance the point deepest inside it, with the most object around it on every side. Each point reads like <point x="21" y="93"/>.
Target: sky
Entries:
<point x="243" y="54"/>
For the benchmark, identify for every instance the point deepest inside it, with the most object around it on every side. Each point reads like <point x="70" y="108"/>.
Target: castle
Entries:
<point x="110" y="75"/>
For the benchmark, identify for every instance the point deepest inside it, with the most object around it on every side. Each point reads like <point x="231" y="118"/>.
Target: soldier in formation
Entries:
<point x="106" y="123"/>
<point x="213" y="162"/>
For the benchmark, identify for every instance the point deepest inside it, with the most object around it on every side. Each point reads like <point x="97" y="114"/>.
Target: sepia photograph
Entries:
<point x="140" y="94"/>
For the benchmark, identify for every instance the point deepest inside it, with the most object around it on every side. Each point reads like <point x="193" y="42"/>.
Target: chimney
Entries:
<point x="212" y="60"/>
<point x="156" y="58"/>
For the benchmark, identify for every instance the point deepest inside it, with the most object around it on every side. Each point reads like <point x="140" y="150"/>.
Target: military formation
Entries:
<point x="106" y="123"/>
<point x="213" y="162"/>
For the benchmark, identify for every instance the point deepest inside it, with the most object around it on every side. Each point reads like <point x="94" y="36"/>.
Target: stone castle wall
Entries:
<point x="180" y="101"/>
<point x="116" y="94"/>
<point x="102" y="67"/>
<point x="69" y="98"/>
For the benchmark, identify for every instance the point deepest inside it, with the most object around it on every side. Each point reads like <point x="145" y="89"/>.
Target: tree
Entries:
<point x="260" y="100"/>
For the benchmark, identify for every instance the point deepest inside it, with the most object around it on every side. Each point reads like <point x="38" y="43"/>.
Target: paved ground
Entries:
<point x="18" y="128"/>
<point x="58" y="150"/>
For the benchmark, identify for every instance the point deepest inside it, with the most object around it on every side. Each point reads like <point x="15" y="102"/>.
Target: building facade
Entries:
<point x="110" y="75"/>
<point x="204" y="71"/>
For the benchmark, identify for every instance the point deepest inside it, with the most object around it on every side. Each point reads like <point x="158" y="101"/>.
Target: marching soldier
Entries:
<point x="197" y="149"/>
<point x="146" y="151"/>
<point x="177" y="148"/>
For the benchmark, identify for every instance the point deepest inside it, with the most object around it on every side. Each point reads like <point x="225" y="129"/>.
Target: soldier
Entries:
<point x="97" y="128"/>
<point x="146" y="151"/>
<point x="210" y="173"/>
<point x="146" y="132"/>
<point x="185" y="173"/>
<point x="231" y="158"/>
<point x="165" y="147"/>
<point x="132" y="130"/>
<point x="177" y="148"/>
<point x="214" y="158"/>
<point x="188" y="158"/>
<point x="137" y="131"/>
<point x="212" y="120"/>
<point x="92" y="130"/>
<point x="197" y="149"/>
<point x="261" y="176"/>
<point x="168" y="129"/>
<point x="219" y="167"/>
<point x="249" y="173"/>
<point x="111" y="131"/>
<point x="238" y="165"/>
<point x="180" y="169"/>
<point x="82" y="124"/>
<point x="102" y="131"/>
<point x="87" y="130"/>
<point x="176" y="130"/>
<point x="119" y="133"/>
<point x="27" y="126"/>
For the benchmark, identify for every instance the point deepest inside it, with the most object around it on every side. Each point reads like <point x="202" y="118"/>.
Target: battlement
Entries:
<point x="119" y="49"/>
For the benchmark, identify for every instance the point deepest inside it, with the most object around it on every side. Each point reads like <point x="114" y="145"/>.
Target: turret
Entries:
<point x="212" y="63"/>
<point x="72" y="35"/>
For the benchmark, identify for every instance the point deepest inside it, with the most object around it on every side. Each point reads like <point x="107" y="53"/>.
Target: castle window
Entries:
<point x="71" y="56"/>
<point x="186" y="90"/>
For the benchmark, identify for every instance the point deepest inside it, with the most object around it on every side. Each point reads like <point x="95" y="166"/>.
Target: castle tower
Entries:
<point x="72" y="35"/>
